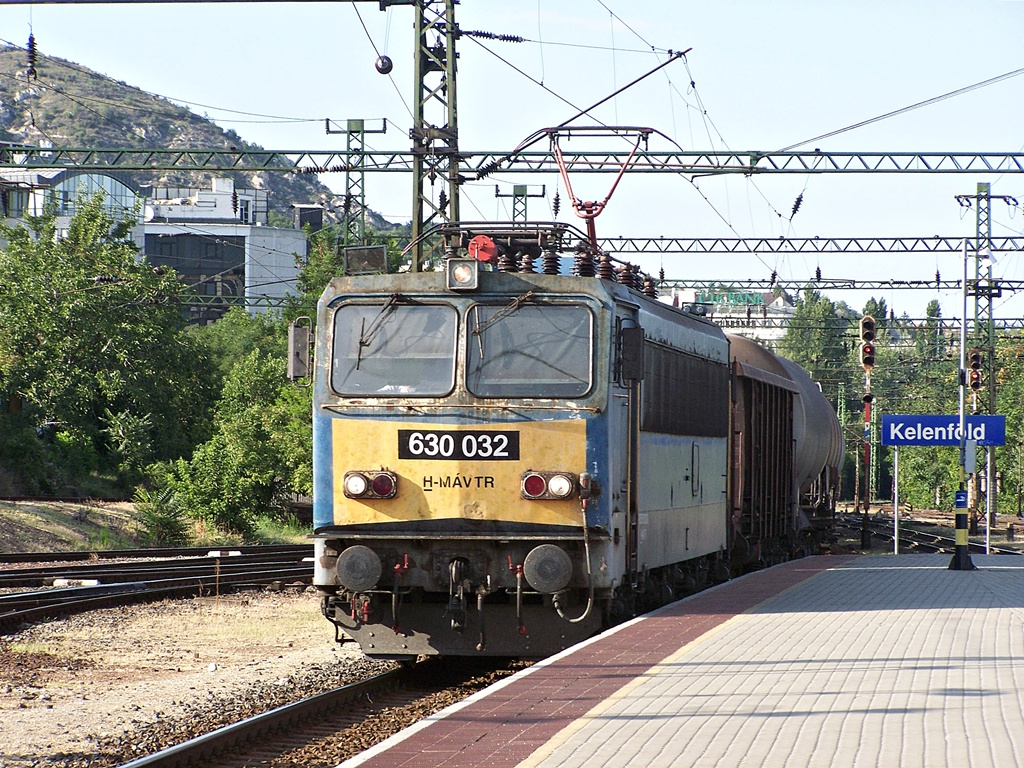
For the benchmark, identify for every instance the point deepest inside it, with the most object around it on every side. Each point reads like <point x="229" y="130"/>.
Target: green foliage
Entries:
<point x="129" y="439"/>
<point x="234" y="335"/>
<point x="288" y="531"/>
<point x="163" y="524"/>
<point x="86" y="329"/>
<point x="815" y="341"/>
<point x="261" y="450"/>
<point x="24" y="454"/>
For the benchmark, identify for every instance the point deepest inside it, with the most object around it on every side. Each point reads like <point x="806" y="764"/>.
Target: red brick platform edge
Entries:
<point x="510" y="722"/>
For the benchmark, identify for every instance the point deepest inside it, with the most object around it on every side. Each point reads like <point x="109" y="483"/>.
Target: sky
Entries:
<point x="759" y="76"/>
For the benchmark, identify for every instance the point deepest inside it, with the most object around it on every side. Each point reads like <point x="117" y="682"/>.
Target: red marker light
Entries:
<point x="534" y="485"/>
<point x="383" y="485"/>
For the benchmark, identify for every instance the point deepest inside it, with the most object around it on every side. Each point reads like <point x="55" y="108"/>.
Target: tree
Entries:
<point x="261" y="447"/>
<point x="89" y="332"/>
<point x="815" y="340"/>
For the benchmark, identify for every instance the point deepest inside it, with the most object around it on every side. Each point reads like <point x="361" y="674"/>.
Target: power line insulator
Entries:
<point x="384" y="65"/>
<point x="32" y="57"/>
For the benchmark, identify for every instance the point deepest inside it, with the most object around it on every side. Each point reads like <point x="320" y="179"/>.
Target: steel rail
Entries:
<point x="931" y="542"/>
<point x="114" y="573"/>
<point x="149" y="553"/>
<point x="16" y="609"/>
<point x="200" y="750"/>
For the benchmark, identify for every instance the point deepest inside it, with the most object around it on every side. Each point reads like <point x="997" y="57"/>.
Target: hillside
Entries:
<point x="69" y="105"/>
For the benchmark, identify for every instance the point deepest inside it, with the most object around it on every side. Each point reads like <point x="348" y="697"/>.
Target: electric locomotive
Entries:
<point x="506" y="461"/>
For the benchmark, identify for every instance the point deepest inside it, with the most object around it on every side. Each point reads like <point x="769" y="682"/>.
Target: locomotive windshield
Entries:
<point x="529" y="350"/>
<point x="390" y="348"/>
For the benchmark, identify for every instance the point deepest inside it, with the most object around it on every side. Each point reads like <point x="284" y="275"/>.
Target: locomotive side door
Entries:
<point x="631" y="373"/>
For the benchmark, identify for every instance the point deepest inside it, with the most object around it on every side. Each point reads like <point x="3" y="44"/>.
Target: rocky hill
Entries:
<point x="68" y="105"/>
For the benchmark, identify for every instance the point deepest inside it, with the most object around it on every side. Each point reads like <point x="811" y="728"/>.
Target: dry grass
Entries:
<point x="57" y="527"/>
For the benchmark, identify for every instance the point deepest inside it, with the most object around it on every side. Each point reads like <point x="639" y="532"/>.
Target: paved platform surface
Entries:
<point x="826" y="661"/>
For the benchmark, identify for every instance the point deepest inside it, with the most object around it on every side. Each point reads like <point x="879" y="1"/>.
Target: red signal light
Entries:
<point x="537" y="484"/>
<point x="867" y="356"/>
<point x="975" y="380"/>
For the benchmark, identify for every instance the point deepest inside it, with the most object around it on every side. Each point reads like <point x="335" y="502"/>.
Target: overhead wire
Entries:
<point x="376" y="51"/>
<point x="911" y="107"/>
<point x="705" y="118"/>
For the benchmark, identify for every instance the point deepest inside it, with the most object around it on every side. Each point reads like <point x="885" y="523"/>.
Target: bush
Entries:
<point x="163" y="524"/>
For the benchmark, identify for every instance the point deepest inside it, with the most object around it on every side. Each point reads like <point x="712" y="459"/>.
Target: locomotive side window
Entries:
<point x="390" y="349"/>
<point x="533" y="350"/>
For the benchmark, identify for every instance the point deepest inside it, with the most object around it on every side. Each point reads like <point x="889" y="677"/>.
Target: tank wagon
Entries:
<point x="507" y="461"/>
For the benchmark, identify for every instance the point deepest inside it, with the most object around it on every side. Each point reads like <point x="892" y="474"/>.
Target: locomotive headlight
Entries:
<point x="462" y="274"/>
<point x="369" y="484"/>
<point x="355" y="484"/>
<point x="560" y="486"/>
<point x="548" y="485"/>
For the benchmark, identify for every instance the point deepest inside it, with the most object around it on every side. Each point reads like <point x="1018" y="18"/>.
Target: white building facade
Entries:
<point x="216" y="239"/>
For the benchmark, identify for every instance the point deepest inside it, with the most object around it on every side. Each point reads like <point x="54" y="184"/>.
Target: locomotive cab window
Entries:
<point x="529" y="350"/>
<point x="393" y="349"/>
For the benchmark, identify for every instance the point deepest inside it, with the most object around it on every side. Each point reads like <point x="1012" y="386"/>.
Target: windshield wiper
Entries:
<point x="508" y="309"/>
<point x="366" y="334"/>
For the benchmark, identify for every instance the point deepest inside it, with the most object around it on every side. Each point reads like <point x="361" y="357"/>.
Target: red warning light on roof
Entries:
<point x="482" y="248"/>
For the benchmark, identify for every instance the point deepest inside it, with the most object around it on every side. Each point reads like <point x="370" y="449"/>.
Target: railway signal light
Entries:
<point x="867" y="355"/>
<point x="974" y="359"/>
<point x="867" y="328"/>
<point x="975" y="380"/>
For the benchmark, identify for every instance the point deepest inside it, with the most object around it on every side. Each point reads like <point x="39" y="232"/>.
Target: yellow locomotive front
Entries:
<point x="451" y="462"/>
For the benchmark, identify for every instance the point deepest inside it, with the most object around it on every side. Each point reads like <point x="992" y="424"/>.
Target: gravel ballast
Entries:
<point x="101" y="688"/>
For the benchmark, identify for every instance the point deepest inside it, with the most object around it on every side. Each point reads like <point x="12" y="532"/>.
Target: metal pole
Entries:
<point x="961" y="556"/>
<point x="896" y="500"/>
<point x="990" y="492"/>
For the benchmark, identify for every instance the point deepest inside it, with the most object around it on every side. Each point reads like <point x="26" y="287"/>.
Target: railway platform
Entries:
<point x="882" y="660"/>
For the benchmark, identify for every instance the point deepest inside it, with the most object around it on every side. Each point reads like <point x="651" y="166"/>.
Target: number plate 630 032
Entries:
<point x="471" y="445"/>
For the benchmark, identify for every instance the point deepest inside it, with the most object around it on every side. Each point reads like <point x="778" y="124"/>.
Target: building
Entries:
<point x="27" y="192"/>
<point x="763" y="317"/>
<point x="218" y="242"/>
<point x="216" y="239"/>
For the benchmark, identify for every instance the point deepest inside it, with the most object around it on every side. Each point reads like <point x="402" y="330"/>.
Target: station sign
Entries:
<point x="942" y="430"/>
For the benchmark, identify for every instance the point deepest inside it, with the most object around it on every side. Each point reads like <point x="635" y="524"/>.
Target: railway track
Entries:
<point x="326" y="729"/>
<point x="80" y="587"/>
<point x="149" y="553"/>
<point x="913" y="539"/>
